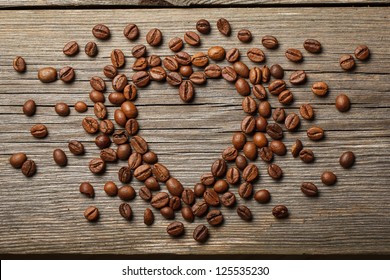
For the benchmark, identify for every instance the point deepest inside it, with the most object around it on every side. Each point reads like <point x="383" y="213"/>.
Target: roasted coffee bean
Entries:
<point x="265" y="74"/>
<point x="309" y="189"/>
<point x="152" y="184"/>
<point x="286" y="97"/>
<point x="100" y="31"/>
<point x="138" y="51"/>
<point x="266" y="154"/>
<point x="261" y="124"/>
<point x="188" y="196"/>
<point x="125" y="211"/>
<point x="131" y="31"/>
<point x="91" y="49"/>
<point x="124" y="174"/>
<point x="262" y="196"/>
<point x="312" y="46"/>
<point x="328" y="178"/>
<point x="199" y="189"/>
<point x="29" y="168"/>
<point x="66" y="74"/>
<point x="174" y="186"/>
<point x="143" y="172"/>
<point x="213" y="71"/>
<point x="62" y="109"/>
<point x="170" y="63"/>
<point x="292" y="122"/>
<point x="277" y="71"/>
<point x="228" y="199"/>
<point x="17" y="160"/>
<point x="140" y="64"/>
<point x="160" y="172"/>
<point x="200" y="208"/>
<point x="221" y="186"/>
<point x="242" y="87"/>
<point x="250" y="150"/>
<point x="245" y="190"/>
<point x="274" y="171"/>
<point x="145" y="194"/>
<point x="141" y="79"/>
<point x="187" y="214"/>
<point x="296" y="148"/>
<point x="154" y="60"/>
<point x="256" y="55"/>
<point x="71" y="48"/>
<point x="298" y="77"/>
<point x="244" y="213"/>
<point x="117" y="98"/>
<point x="175" y="44"/>
<point x="241" y="163"/>
<point x="174" y="79"/>
<point x="119" y="82"/>
<point x="135" y="160"/>
<point x="280" y="211"/>
<point x="229" y="74"/>
<point x="130" y="92"/>
<point x="139" y="144"/>
<point x="123" y="151"/>
<point x="175" y="229"/>
<point x="294" y="55"/>
<point x="192" y="38"/>
<point x="306" y="111"/>
<point x="279" y="115"/>
<point x="108" y="155"/>
<point x="76" y="147"/>
<point x="29" y="108"/>
<point x="244" y="35"/>
<point x="154" y="37"/>
<point x="19" y="64"/>
<point x="250" y="173"/>
<point x="117" y="58"/>
<point x="276" y="87"/>
<point x="87" y="189"/>
<point x="347" y="159"/>
<point x="120" y="117"/>
<point x="232" y="55"/>
<point x="259" y="92"/>
<point x="347" y="62"/>
<point x="306" y="155"/>
<point x="149" y="157"/>
<point x="239" y="140"/>
<point x="91" y="214"/>
<point x="211" y="197"/>
<point x="96" y="96"/>
<point x="362" y="52"/>
<point x="131" y="126"/>
<point x="60" y="157"/>
<point x="120" y="137"/>
<point x="201" y="233"/>
<point x="218" y="168"/>
<point x="270" y="42"/>
<point x="186" y="91"/>
<point x="167" y="212"/>
<point x="175" y="203"/>
<point x="319" y="88"/>
<point x="275" y="131"/>
<point x="255" y="77"/>
<point x="183" y="58"/>
<point x="100" y="110"/>
<point x="315" y="133"/>
<point x="199" y="59"/>
<point x="39" y="131"/>
<point x="342" y="103"/>
<point x="97" y="83"/>
<point x="223" y="26"/>
<point x="241" y="69"/>
<point x="148" y="217"/>
<point x="47" y="74"/>
<point x="216" y="53"/>
<point x="259" y="139"/>
<point x="230" y="154"/>
<point x="80" y="107"/>
<point x="207" y="179"/>
<point x="97" y="166"/>
<point x="265" y="109"/>
<point x="203" y="26"/>
<point x="214" y="217"/>
<point x="186" y="71"/>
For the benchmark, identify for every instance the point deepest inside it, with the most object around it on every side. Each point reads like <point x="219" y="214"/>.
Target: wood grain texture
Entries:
<point x="44" y="214"/>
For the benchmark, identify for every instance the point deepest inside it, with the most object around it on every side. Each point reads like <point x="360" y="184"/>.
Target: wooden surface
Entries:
<point x="44" y="214"/>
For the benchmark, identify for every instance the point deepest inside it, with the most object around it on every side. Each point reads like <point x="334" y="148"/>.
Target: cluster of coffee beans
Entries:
<point x="233" y="167"/>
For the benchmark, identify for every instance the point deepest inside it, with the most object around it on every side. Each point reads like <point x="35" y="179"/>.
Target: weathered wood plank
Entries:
<point x="344" y="219"/>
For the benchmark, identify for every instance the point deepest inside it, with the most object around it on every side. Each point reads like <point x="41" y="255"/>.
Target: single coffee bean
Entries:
<point x="140" y="64"/>
<point x="294" y="55"/>
<point x="244" y="213"/>
<point x="130" y="92"/>
<point x="170" y="63"/>
<point x="62" y="109"/>
<point x="213" y="71"/>
<point x="319" y="88"/>
<point x="198" y="78"/>
<point x="150" y="157"/>
<point x="309" y="189"/>
<point x="250" y="173"/>
<point x="245" y="190"/>
<point x="312" y="46"/>
<point x="200" y="208"/>
<point x="87" y="189"/>
<point x="174" y="203"/>
<point x="187" y="214"/>
<point x="39" y="131"/>
<point x="141" y="79"/>
<point x="175" y="44"/>
<point x="276" y="87"/>
<point x="71" y="48"/>
<point x="232" y="55"/>
<point x="174" y="186"/>
<point x="218" y="168"/>
<point x="138" y="51"/>
<point x="102" y="141"/>
<point x="120" y="137"/>
<point x="154" y="60"/>
<point x="60" y="157"/>
<point x="265" y="74"/>
<point x="154" y="37"/>
<point x="229" y="74"/>
<point x="19" y="64"/>
<point x="347" y="62"/>
<point x="66" y="74"/>
<point x="298" y="77"/>
<point x="244" y="35"/>
<point x="148" y="217"/>
<point x="241" y="163"/>
<point x="265" y="109"/>
<point x="143" y="172"/>
<point x="47" y="74"/>
<point x="306" y="155"/>
<point x="242" y="87"/>
<point x="241" y="69"/>
<point x="259" y="92"/>
<point x="362" y="52"/>
<point x="96" y="96"/>
<point x="207" y="179"/>
<point x="129" y="109"/>
<point x="347" y="159"/>
<point x="152" y="184"/>
<point x="139" y="144"/>
<point x="108" y="155"/>
<point x="175" y="229"/>
<point x="221" y="186"/>
<point x="230" y="154"/>
<point x="17" y="160"/>
<point x="201" y="233"/>
<point x="270" y="42"/>
<point x="214" y="217"/>
<point x="29" y="168"/>
<point x="315" y="133"/>
<point x="228" y="199"/>
<point x="91" y="214"/>
<point x="124" y="174"/>
<point x="199" y="59"/>
<point x="203" y="26"/>
<point x="167" y="212"/>
<point x="216" y="53"/>
<point x="76" y="147"/>
<point x="286" y="97"/>
<point x="277" y="71"/>
<point x="296" y="148"/>
<point x="280" y="211"/>
<point x="186" y="91"/>
<point x="100" y="31"/>
<point x="343" y="103"/>
<point x="255" y="77"/>
<point x="29" y="108"/>
<point x="223" y="26"/>
<point x="135" y="160"/>
<point x="119" y="82"/>
<point x="261" y="124"/>
<point x="120" y="117"/>
<point x="279" y="115"/>
<point x="97" y="166"/>
<point x="262" y="196"/>
<point x="292" y="122"/>
<point x="116" y="98"/>
<point x="145" y="193"/>
<point x="188" y="196"/>
<point x="174" y="79"/>
<point x="306" y="111"/>
<point x="100" y="110"/>
<point x="97" y="83"/>
<point x="160" y="172"/>
<point x="239" y="140"/>
<point x="275" y="131"/>
<point x="266" y="154"/>
<point x="123" y="151"/>
<point x="186" y="71"/>
<point x="199" y="189"/>
<point x="131" y="126"/>
<point x="211" y="197"/>
<point x="192" y="38"/>
<point x="80" y="107"/>
<point x="256" y="55"/>
<point x="277" y="147"/>
<point x="328" y="178"/>
<point x="125" y="211"/>
<point x="250" y="150"/>
<point x="131" y="31"/>
<point x="91" y="49"/>
<point x="274" y="171"/>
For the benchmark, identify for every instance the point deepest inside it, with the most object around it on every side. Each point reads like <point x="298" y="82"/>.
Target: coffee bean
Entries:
<point x="228" y="199"/>
<point x="175" y="229"/>
<point x="119" y="82"/>
<point x="218" y="168"/>
<point x="174" y="186"/>
<point x="17" y="160"/>
<point x="175" y="44"/>
<point x="130" y="92"/>
<point x="39" y="131"/>
<point x="76" y="147"/>
<point x="152" y="184"/>
<point x="265" y="74"/>
<point x="275" y="131"/>
<point x="211" y="197"/>
<point x="174" y="203"/>
<point x="259" y="92"/>
<point x="199" y="59"/>
<point x="129" y="109"/>
<point x="120" y="117"/>
<point x="241" y="163"/>
<point x="183" y="58"/>
<point x="139" y="144"/>
<point x="298" y="77"/>
<point x="87" y="189"/>
<point x="143" y="172"/>
<point x="216" y="53"/>
<point x="192" y="38"/>
<point x="97" y="83"/>
<point x="277" y="147"/>
<point x="245" y="190"/>
<point x="223" y="26"/>
<point x="347" y="159"/>
<point x="232" y="55"/>
<point x="315" y="133"/>
<point x="29" y="168"/>
<point x="309" y="189"/>
<point x="135" y="160"/>
<point x="97" y="166"/>
<point x="125" y="211"/>
<point x="117" y="98"/>
<point x="328" y="178"/>
<point x="148" y="217"/>
<point x="62" y="109"/>
<point x="47" y="74"/>
<point x="188" y="196"/>
<point x="276" y="87"/>
<point x="138" y="51"/>
<point x="154" y="37"/>
<point x="239" y="140"/>
<point x="312" y="46"/>
<point x="141" y="79"/>
<point x="187" y="214"/>
<point x="160" y="172"/>
<point x="244" y="213"/>
<point x="124" y="174"/>
<point x="100" y="110"/>
<point x="160" y="200"/>
<point x="286" y="97"/>
<point x="80" y="107"/>
<point x="280" y="211"/>
<point x="229" y="74"/>
<point x="167" y="212"/>
<point x="131" y="31"/>
<point x="256" y="55"/>
<point x="347" y="62"/>
<point x="29" y="108"/>
<point x="270" y="42"/>
<point x="140" y="64"/>
<point x="306" y="155"/>
<point x="213" y="71"/>
<point x="145" y="194"/>
<point x="91" y="214"/>
<point x="71" y="48"/>
<point x="131" y="126"/>
<point x="250" y="173"/>
<point x="199" y="189"/>
<point x="274" y="171"/>
<point x="292" y="122"/>
<point x="342" y="103"/>
<point x="108" y="155"/>
<point x="100" y="31"/>
<point x="306" y="111"/>
<point x="154" y="61"/>
<point x="203" y="26"/>
<point x="265" y="109"/>
<point x="230" y="154"/>
<point x="277" y="71"/>
<point x="200" y="208"/>
<point x="221" y="186"/>
<point x="242" y="87"/>
<point x="96" y="96"/>
<point x="261" y="124"/>
<point x="120" y="137"/>
<point x="214" y="217"/>
<point x="266" y="154"/>
<point x="201" y="233"/>
<point x="91" y="49"/>
<point x="262" y="196"/>
<point x="171" y="63"/>
<point x="207" y="179"/>
<point x="60" y="157"/>
<point x="250" y="150"/>
<point x="362" y="52"/>
<point x="174" y="79"/>
<point x="66" y="74"/>
<point x="19" y="64"/>
<point x="294" y="55"/>
<point x="296" y="148"/>
<point x="149" y="157"/>
<point x="279" y="115"/>
<point x="319" y="88"/>
<point x="186" y="91"/>
<point x="244" y="35"/>
<point x="255" y="77"/>
<point x="186" y="71"/>
<point x="241" y="69"/>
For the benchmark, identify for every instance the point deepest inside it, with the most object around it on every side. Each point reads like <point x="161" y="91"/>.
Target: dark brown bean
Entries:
<point x="19" y="64"/>
<point x="17" y="160"/>
<point x="275" y="131"/>
<point x="298" y="77"/>
<point x="362" y="52"/>
<point x="262" y="196"/>
<point x="250" y="150"/>
<point x="292" y="122"/>
<point x="266" y="154"/>
<point x="248" y="124"/>
<point x="232" y="55"/>
<point x="143" y="172"/>
<point x="125" y="174"/>
<point x="328" y="178"/>
<point x="312" y="46"/>
<point x="125" y="211"/>
<point x="207" y="179"/>
<point x="259" y="92"/>
<point x="186" y="91"/>
<point x="29" y="108"/>
<point x="97" y="166"/>
<point x="138" y="51"/>
<point x="250" y="173"/>
<point x="135" y="160"/>
<point x="145" y="193"/>
<point x="244" y="213"/>
<point x="100" y="31"/>
<point x="211" y="197"/>
<point x="29" y="168"/>
<point x="60" y="157"/>
<point x="274" y="171"/>
<point x="296" y="148"/>
<point x="175" y="229"/>
<point x="294" y="55"/>
<point x="256" y="55"/>
<point x="203" y="26"/>
<point x="160" y="172"/>
<point x="315" y="133"/>
<point x="214" y="217"/>
<point x="97" y="83"/>
<point x="280" y="212"/>
<point x="66" y="74"/>
<point x="192" y="38"/>
<point x="245" y="190"/>
<point x="347" y="62"/>
<point x="223" y="26"/>
<point x="216" y="53"/>
<point x="265" y="109"/>
<point x="200" y="208"/>
<point x="91" y="49"/>
<point x="131" y="31"/>
<point x="319" y="88"/>
<point x="276" y="87"/>
<point x="141" y="79"/>
<point x="87" y="189"/>
<point x="277" y="71"/>
<point x="91" y="214"/>
<point x="343" y="103"/>
<point x="39" y="131"/>
<point x="218" y="168"/>
<point x="159" y="200"/>
<point x="187" y="214"/>
<point x="154" y="37"/>
<point x="148" y="217"/>
<point x="167" y="212"/>
<point x="306" y="155"/>
<point x="306" y="111"/>
<point x="347" y="159"/>
<point x="270" y="42"/>
<point x="174" y="186"/>
<point x="213" y="71"/>
<point x="201" y="233"/>
<point x="71" y="48"/>
<point x="309" y="189"/>
<point x="228" y="199"/>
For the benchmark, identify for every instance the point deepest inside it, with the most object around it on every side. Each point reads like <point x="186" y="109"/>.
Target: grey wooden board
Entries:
<point x="44" y="214"/>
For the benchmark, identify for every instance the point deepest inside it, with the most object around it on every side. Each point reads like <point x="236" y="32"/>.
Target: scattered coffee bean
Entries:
<point x="97" y="83"/>
<point x="245" y="190"/>
<point x="218" y="168"/>
<point x="198" y="78"/>
<point x="274" y="171"/>
<point x="91" y="49"/>
<point x="186" y="71"/>
<point x="213" y="71"/>
<point x="277" y="147"/>
<point x="175" y="44"/>
<point x="319" y="88"/>
<point x="159" y="200"/>
<point x="140" y="64"/>
<point x="17" y="160"/>
<point x="238" y="140"/>
<point x="96" y="96"/>
<point x="138" y="51"/>
<point x="106" y="127"/>
<point x="141" y="79"/>
<point x="298" y="77"/>
<point x="91" y="214"/>
<point x="216" y="53"/>
<point x="167" y="212"/>
<point x="175" y="229"/>
<point x="143" y="172"/>
<point x="306" y="111"/>
<point x="279" y="115"/>
<point x="312" y="46"/>
<point x="214" y="217"/>
<point x="261" y="124"/>
<point x="188" y="196"/>
<point x="221" y="186"/>
<point x="362" y="52"/>
<point x="266" y="154"/>
<point x="250" y="173"/>
<point x="309" y="189"/>
<point x="211" y="197"/>
<point x="228" y="199"/>
<point x="80" y="107"/>
<point x="242" y="87"/>
<point x="186" y="91"/>
<point x="131" y="31"/>
<point x="125" y="174"/>
<point x="174" y="186"/>
<point x="108" y="155"/>
<point x="123" y="151"/>
<point x="160" y="172"/>
<point x="154" y="37"/>
<point x="256" y="55"/>
<point x="29" y="168"/>
<point x="294" y="55"/>
<point x="149" y="157"/>
<point x="262" y="196"/>
<point x="125" y="211"/>
<point x="244" y="213"/>
<point x="201" y="233"/>
<point x="276" y="87"/>
<point x="187" y="214"/>
<point x="200" y="208"/>
<point x="347" y="159"/>
<point x="296" y="148"/>
<point x="199" y="189"/>
<point x="192" y="38"/>
<point x="230" y="154"/>
<point x="248" y="124"/>
<point x="29" y="108"/>
<point x="102" y="32"/>
<point x="250" y="150"/>
<point x="270" y="42"/>
<point x="292" y="122"/>
<point x="232" y="55"/>
<point x="19" y="64"/>
<point x="60" y="157"/>
<point x="241" y="163"/>
<point x="306" y="155"/>
<point x="275" y="131"/>
<point x="265" y="109"/>
<point x="343" y="103"/>
<point x="39" y="131"/>
<point x="174" y="203"/>
<point x="47" y="74"/>
<point x="244" y="35"/>
<point x="241" y="69"/>
<point x="207" y="179"/>
<point x="255" y="79"/>
<point x="277" y="71"/>
<point x="347" y="62"/>
<point x="71" y="48"/>
<point x="286" y="97"/>
<point x="223" y="26"/>
<point x="328" y="178"/>
<point x="110" y="188"/>
<point x="87" y="189"/>
<point x="265" y="74"/>
<point x="148" y="217"/>
<point x="120" y="137"/>
<point x="119" y="82"/>
<point x="76" y="147"/>
<point x="145" y="193"/>
<point x="203" y="26"/>
<point x="315" y="133"/>
<point x="97" y="166"/>
<point x="280" y="212"/>
<point x="62" y="109"/>
<point x="259" y="92"/>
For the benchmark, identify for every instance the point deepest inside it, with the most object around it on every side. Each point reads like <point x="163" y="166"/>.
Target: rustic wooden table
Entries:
<point x="44" y="214"/>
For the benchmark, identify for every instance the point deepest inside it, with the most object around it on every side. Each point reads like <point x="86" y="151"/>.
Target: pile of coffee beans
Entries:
<point x="261" y="134"/>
